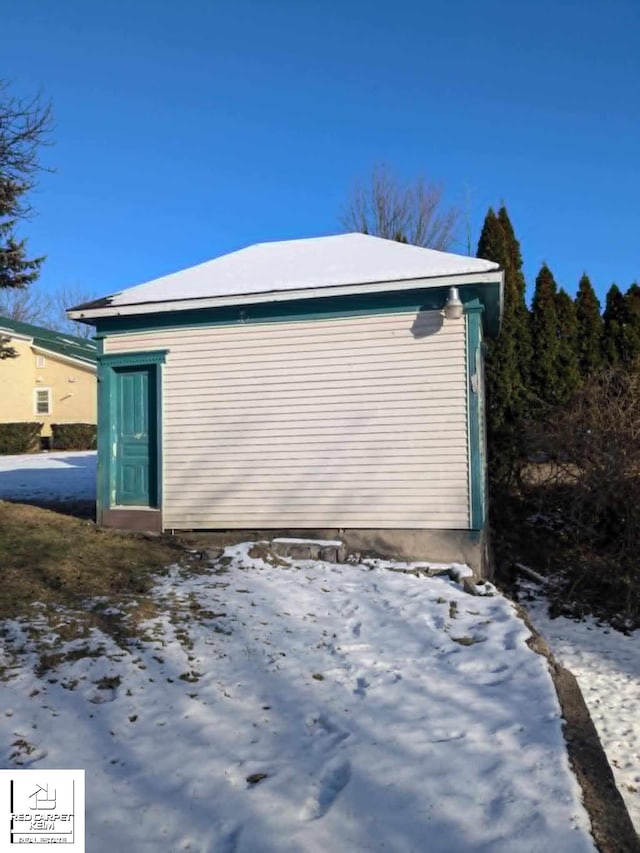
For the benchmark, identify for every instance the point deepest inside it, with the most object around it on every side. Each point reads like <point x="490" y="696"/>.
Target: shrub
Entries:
<point x="73" y="436"/>
<point x="592" y="451"/>
<point x="20" y="437"/>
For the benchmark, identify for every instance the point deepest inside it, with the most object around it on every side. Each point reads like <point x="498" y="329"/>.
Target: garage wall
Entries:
<point x="349" y="422"/>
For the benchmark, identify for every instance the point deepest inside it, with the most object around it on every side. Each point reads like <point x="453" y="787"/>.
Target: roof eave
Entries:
<point x="16" y="336"/>
<point x="87" y="313"/>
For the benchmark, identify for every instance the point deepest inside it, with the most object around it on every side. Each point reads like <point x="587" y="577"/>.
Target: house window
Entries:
<point x="43" y="401"/>
<point x="41" y="361"/>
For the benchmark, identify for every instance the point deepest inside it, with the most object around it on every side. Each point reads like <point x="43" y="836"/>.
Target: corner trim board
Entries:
<point x="475" y="403"/>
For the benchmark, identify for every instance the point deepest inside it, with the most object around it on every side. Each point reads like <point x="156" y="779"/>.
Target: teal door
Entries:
<point x="135" y="439"/>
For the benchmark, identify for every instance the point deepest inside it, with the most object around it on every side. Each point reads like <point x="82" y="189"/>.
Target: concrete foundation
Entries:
<point x="141" y="519"/>
<point x="436" y="546"/>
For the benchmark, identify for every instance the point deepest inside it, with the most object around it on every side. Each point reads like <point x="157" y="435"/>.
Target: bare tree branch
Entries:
<point x="26" y="305"/>
<point x="412" y="212"/>
<point x="25" y="125"/>
<point x="35" y="306"/>
<point x="65" y="297"/>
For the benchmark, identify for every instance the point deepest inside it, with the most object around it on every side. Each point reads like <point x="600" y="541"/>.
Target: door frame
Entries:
<point x="107" y="512"/>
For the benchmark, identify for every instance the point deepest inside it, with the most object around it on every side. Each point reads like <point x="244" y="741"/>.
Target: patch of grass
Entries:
<point x="108" y="682"/>
<point x="50" y="660"/>
<point x="191" y="676"/>
<point x="53" y="558"/>
<point x="78" y="576"/>
<point x="23" y="748"/>
<point x="183" y="637"/>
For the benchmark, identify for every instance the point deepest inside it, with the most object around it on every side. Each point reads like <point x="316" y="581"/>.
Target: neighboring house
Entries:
<point x="303" y="385"/>
<point x="52" y="378"/>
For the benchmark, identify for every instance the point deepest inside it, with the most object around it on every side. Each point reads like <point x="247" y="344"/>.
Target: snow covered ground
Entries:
<point x="606" y="664"/>
<point x="344" y="685"/>
<point x="63" y="476"/>
<point x="305" y="707"/>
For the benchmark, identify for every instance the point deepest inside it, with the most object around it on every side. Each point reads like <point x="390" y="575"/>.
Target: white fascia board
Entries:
<point x="285" y="295"/>
<point x="14" y="335"/>
<point x="78" y="362"/>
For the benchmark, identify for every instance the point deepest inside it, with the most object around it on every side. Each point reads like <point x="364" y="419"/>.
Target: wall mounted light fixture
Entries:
<point x="453" y="308"/>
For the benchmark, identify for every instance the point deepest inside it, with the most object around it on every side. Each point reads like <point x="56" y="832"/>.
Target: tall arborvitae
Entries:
<point x="632" y="326"/>
<point x="613" y="331"/>
<point x="515" y="288"/>
<point x="622" y="326"/>
<point x="492" y="245"/>
<point x="590" y="328"/>
<point x="504" y="384"/>
<point x="544" y="334"/>
<point x="507" y="393"/>
<point x="568" y="371"/>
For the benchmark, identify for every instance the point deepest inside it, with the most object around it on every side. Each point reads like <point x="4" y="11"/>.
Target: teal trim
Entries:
<point x="107" y="426"/>
<point x="104" y="431"/>
<point x="486" y="294"/>
<point x="159" y="431"/>
<point x="134" y="359"/>
<point x="475" y="404"/>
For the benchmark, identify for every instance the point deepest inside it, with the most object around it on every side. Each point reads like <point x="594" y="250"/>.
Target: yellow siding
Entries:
<point x="17" y="381"/>
<point x="71" y="401"/>
<point x="355" y="422"/>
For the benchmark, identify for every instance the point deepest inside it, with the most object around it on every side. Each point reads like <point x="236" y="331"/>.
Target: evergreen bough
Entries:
<point x="545" y="382"/>
<point x="590" y="329"/>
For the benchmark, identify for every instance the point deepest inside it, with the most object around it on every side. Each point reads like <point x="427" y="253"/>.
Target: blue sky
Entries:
<point x="184" y="131"/>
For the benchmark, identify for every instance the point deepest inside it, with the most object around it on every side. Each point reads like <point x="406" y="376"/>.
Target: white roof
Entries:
<point x="318" y="262"/>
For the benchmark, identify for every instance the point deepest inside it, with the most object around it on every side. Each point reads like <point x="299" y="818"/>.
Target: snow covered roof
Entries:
<point x="296" y="265"/>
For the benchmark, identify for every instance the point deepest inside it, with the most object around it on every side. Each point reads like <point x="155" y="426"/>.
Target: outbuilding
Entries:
<point x="331" y="384"/>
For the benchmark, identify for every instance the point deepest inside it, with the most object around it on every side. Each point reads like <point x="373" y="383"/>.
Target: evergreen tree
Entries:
<point x="16" y="269"/>
<point x="545" y="383"/>
<point x="590" y="328"/>
<point x="515" y="287"/>
<point x="568" y="366"/>
<point x="622" y="326"/>
<point x="507" y="394"/>
<point x="502" y="374"/>
<point x="492" y="245"/>
<point x="613" y="331"/>
<point x="632" y="327"/>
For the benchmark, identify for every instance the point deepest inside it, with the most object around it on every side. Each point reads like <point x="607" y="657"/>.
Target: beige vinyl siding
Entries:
<point x="351" y="422"/>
